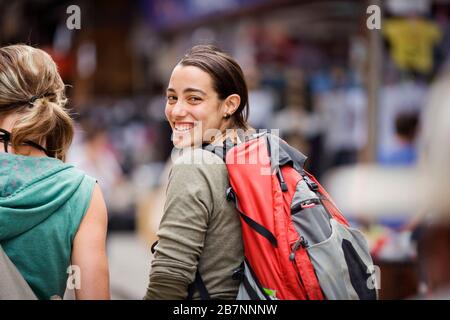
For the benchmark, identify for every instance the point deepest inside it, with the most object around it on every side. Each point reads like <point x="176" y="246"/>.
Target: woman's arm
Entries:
<point x="89" y="251"/>
<point x="181" y="235"/>
<point x="188" y="212"/>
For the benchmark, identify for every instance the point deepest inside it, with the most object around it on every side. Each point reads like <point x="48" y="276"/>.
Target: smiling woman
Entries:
<point x="200" y="235"/>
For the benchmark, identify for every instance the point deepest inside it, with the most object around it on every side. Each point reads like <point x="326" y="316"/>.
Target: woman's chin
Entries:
<point x="186" y="141"/>
<point x="182" y="141"/>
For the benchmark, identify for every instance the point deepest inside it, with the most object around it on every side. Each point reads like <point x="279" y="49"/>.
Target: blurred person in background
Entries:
<point x="398" y="98"/>
<point x="296" y="123"/>
<point x="434" y="155"/>
<point x="262" y="97"/>
<point x="95" y="157"/>
<point x="93" y="154"/>
<point x="404" y="154"/>
<point x="52" y="215"/>
<point x="406" y="129"/>
<point x="200" y="233"/>
<point x="343" y="111"/>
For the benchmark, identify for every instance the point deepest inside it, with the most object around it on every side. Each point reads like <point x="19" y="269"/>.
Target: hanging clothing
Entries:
<point x="412" y="42"/>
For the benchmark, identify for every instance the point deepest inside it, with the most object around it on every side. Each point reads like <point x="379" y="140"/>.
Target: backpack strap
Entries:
<point x="284" y="153"/>
<point x="231" y="196"/>
<point x="200" y="286"/>
<point x="250" y="282"/>
<point x="260" y="229"/>
<point x="219" y="150"/>
<point x="197" y="284"/>
<point x="250" y="291"/>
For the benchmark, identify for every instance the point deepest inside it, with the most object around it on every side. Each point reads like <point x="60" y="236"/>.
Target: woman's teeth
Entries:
<point x="183" y="127"/>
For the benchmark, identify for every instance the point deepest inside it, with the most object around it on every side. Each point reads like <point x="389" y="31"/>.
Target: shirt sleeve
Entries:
<point x="182" y="232"/>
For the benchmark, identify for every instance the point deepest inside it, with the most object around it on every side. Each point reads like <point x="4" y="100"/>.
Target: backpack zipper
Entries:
<point x="300" y="242"/>
<point x="283" y="184"/>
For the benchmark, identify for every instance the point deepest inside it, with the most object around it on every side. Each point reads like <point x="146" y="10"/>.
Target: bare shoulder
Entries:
<point x="89" y="250"/>
<point x="96" y="215"/>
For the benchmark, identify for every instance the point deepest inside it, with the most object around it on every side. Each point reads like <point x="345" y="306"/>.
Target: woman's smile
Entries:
<point x="182" y="127"/>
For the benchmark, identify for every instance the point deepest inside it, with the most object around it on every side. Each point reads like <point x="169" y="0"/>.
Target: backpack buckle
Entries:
<point x="153" y="247"/>
<point x="231" y="196"/>
<point x="311" y="184"/>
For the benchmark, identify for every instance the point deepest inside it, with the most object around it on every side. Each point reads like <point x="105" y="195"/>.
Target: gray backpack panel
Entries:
<point x="12" y="284"/>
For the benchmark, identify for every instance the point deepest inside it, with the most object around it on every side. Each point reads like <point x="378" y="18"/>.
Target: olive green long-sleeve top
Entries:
<point x="199" y="229"/>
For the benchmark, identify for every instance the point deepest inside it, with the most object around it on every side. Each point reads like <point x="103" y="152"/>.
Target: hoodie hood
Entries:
<point x="31" y="190"/>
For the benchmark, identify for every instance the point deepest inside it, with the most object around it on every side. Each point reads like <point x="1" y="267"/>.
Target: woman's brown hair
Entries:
<point x="226" y="74"/>
<point x="31" y="86"/>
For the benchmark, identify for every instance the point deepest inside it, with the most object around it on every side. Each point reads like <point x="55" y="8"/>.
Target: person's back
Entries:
<point x="52" y="216"/>
<point x="42" y="202"/>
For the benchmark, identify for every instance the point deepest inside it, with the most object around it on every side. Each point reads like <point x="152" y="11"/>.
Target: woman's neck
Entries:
<point x="234" y="134"/>
<point x="27" y="151"/>
<point x="7" y="123"/>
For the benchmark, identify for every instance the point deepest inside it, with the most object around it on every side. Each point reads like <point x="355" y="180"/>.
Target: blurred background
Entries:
<point x="343" y="93"/>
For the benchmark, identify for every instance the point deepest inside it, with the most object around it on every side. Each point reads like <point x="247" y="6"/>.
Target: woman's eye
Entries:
<point x="171" y="99"/>
<point x="194" y="99"/>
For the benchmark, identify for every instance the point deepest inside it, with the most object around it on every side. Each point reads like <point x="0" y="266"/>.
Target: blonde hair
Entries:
<point x="31" y="86"/>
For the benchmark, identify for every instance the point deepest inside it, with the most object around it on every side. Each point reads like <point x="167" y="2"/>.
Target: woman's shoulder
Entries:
<point x="198" y="167"/>
<point x="19" y="173"/>
<point x="196" y="156"/>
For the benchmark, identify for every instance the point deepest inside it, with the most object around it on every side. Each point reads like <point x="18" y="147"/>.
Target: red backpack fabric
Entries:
<point x="297" y="244"/>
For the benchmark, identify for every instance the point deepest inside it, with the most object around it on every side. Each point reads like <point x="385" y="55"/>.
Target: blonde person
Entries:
<point x="200" y="233"/>
<point x="52" y="215"/>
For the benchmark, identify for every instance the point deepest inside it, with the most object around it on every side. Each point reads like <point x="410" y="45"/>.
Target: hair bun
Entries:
<point x="45" y="120"/>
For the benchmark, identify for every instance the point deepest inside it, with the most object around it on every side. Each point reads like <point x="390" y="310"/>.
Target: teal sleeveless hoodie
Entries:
<point x="42" y="202"/>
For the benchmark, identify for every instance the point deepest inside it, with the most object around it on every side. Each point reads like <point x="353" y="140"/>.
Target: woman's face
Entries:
<point x="193" y="107"/>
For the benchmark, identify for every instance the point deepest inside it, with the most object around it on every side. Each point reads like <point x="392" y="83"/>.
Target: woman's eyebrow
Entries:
<point x="188" y="90"/>
<point x="194" y="90"/>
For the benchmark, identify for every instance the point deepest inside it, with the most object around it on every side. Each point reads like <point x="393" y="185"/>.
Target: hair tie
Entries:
<point x="33" y="100"/>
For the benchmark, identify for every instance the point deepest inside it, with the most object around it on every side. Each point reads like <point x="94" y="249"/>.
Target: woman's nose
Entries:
<point x="178" y="109"/>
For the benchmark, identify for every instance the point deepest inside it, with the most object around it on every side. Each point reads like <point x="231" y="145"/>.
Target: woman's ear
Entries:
<point x="232" y="102"/>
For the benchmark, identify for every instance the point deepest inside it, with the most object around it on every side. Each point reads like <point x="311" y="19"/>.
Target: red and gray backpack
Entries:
<point x="297" y="244"/>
